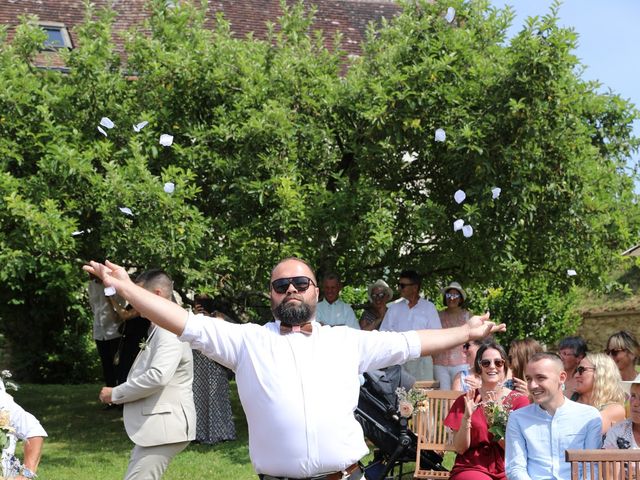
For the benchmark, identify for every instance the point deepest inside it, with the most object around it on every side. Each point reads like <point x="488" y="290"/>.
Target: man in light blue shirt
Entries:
<point x="538" y="434"/>
<point x="331" y="310"/>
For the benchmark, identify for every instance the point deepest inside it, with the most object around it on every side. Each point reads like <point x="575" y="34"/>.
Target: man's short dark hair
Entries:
<point x="554" y="357"/>
<point x="156" y="278"/>
<point x="576" y="344"/>
<point x="411" y="275"/>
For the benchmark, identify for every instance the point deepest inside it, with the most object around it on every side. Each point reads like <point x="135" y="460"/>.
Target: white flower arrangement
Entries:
<point x="409" y="402"/>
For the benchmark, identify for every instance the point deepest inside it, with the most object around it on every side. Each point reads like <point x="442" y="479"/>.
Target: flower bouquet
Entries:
<point x="409" y="401"/>
<point x="497" y="415"/>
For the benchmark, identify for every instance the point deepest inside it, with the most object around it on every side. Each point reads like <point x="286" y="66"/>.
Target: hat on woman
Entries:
<point x="626" y="385"/>
<point x="380" y="284"/>
<point x="455" y="286"/>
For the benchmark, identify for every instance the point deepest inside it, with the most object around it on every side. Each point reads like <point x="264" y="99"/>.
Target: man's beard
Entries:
<point x="294" y="314"/>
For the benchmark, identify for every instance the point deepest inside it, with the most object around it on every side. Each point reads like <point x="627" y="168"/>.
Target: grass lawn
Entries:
<point x="86" y="442"/>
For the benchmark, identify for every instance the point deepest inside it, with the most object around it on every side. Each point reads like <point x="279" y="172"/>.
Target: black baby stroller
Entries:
<point x="377" y="413"/>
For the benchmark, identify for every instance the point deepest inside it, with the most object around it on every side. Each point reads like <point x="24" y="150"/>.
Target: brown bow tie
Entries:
<point x="305" y="328"/>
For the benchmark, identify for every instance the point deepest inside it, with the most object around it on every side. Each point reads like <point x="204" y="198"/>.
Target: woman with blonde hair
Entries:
<point x="598" y="385"/>
<point x="624" y="349"/>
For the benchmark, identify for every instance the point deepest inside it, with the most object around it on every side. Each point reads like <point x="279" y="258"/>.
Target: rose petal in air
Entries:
<point x="495" y="192"/>
<point x="572" y="273"/>
<point x="169" y="187"/>
<point x="451" y="14"/>
<point x="107" y="123"/>
<point x="126" y="211"/>
<point x="101" y="130"/>
<point x="467" y="231"/>
<point x="166" y="139"/>
<point x="109" y="291"/>
<point x="139" y="126"/>
<point x="457" y="225"/>
<point x="459" y="196"/>
<point x="440" y="135"/>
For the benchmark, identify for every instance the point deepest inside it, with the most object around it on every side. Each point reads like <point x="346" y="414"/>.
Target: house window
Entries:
<point x="57" y="36"/>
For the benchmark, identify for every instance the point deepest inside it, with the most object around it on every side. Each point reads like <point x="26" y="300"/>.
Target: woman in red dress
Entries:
<point x="480" y="456"/>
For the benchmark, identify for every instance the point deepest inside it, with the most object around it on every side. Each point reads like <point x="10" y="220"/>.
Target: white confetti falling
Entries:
<point x="77" y="232"/>
<point x="440" y="135"/>
<point x="126" y="211"/>
<point x="467" y="231"/>
<point x="495" y="192"/>
<point x="571" y="273"/>
<point x="169" y="187"/>
<point x="459" y="196"/>
<point x="334" y="239"/>
<point x="166" y="139"/>
<point x="409" y="157"/>
<point x="101" y="130"/>
<point x="139" y="126"/>
<point x="109" y="291"/>
<point x="107" y="123"/>
<point x="451" y="14"/>
<point x="457" y="225"/>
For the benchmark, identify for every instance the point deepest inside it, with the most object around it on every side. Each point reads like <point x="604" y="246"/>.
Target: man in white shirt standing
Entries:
<point x="331" y="310"/>
<point x="297" y="380"/>
<point x="412" y="312"/>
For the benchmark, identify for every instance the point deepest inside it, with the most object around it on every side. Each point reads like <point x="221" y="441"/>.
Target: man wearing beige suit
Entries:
<point x="159" y="413"/>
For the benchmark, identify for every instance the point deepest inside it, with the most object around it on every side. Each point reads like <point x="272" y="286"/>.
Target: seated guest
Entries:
<point x="598" y="385"/>
<point x="571" y="350"/>
<point x="379" y="295"/>
<point x="623" y="434"/>
<point x="624" y="349"/>
<point x="520" y="351"/>
<point x="479" y="455"/>
<point x="447" y="364"/>
<point x="538" y="434"/>
<point x="468" y="379"/>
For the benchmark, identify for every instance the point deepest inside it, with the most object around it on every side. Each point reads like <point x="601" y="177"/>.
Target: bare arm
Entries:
<point x="32" y="452"/>
<point x="462" y="437"/>
<point x="160" y="311"/>
<point x="437" y="340"/>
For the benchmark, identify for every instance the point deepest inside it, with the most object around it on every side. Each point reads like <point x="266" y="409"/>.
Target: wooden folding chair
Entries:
<point x="430" y="429"/>
<point x="604" y="464"/>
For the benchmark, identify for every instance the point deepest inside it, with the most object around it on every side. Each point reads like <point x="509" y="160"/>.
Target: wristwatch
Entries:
<point x="26" y="473"/>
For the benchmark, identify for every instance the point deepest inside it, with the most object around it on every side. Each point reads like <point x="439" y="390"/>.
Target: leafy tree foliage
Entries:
<point x="281" y="148"/>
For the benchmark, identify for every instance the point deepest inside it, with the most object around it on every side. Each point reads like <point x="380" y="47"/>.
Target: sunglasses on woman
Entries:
<point x="378" y="296"/>
<point x="452" y="296"/>
<point x="498" y="362"/>
<point x="580" y="370"/>
<point x="614" y="351"/>
<point x="301" y="284"/>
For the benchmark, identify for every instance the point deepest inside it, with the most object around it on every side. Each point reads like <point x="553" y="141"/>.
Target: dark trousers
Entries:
<point x="107" y="350"/>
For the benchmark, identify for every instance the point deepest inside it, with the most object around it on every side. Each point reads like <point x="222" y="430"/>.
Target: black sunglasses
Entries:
<point x="499" y="363"/>
<point x="580" y="370"/>
<point x="379" y="296"/>
<point x="614" y="351"/>
<point x="402" y="285"/>
<point x="301" y="284"/>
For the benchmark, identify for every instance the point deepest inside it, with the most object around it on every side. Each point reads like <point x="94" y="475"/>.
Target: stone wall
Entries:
<point x="597" y="327"/>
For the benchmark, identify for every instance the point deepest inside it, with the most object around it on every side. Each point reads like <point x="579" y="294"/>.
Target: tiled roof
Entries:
<point x="350" y="17"/>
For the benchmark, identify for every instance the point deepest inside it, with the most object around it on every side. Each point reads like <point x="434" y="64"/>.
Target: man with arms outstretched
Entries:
<point x="297" y="380"/>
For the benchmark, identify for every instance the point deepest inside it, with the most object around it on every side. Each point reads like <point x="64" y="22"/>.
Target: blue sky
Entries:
<point x="608" y="40"/>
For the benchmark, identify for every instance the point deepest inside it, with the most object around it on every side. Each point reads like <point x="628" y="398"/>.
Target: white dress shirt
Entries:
<point x="105" y="319"/>
<point x="299" y="391"/>
<point x="401" y="318"/>
<point x="336" y="313"/>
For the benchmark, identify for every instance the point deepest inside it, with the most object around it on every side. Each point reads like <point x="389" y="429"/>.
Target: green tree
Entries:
<point x="281" y="147"/>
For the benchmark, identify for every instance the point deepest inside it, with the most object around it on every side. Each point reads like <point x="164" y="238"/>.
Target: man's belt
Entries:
<point x="345" y="474"/>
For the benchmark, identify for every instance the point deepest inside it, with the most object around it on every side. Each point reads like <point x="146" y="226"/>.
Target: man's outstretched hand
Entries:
<point x="480" y="327"/>
<point x="112" y="275"/>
